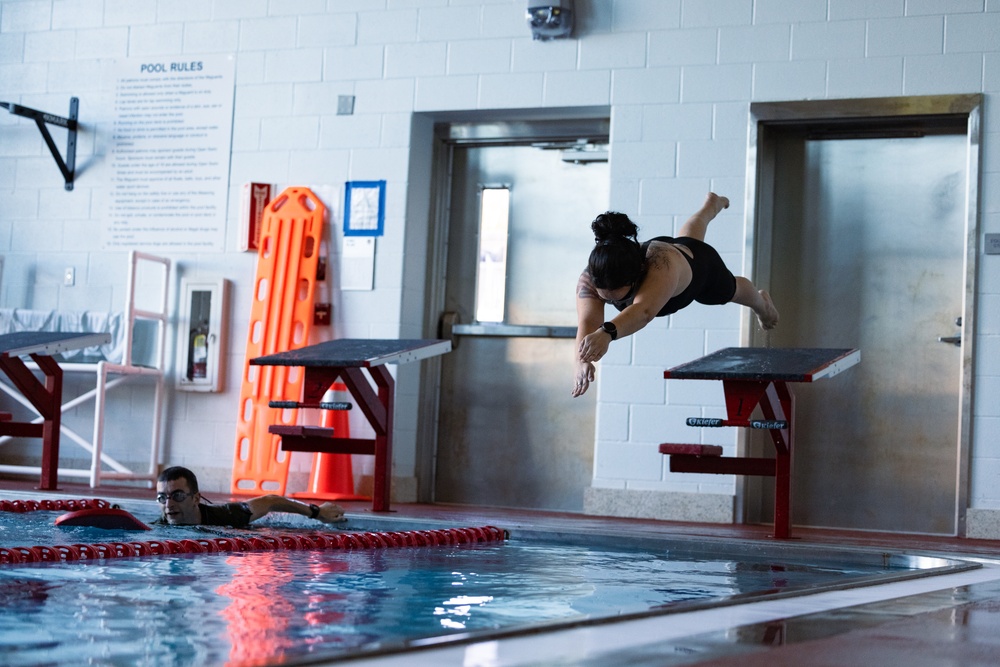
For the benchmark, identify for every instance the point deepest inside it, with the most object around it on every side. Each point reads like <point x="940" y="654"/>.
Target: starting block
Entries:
<point x="345" y="359"/>
<point x="753" y="377"/>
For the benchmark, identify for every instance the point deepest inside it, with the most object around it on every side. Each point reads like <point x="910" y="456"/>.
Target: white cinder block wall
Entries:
<point x="678" y="76"/>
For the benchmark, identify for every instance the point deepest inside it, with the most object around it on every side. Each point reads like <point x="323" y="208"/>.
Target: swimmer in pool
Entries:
<point x="652" y="279"/>
<point x="180" y="502"/>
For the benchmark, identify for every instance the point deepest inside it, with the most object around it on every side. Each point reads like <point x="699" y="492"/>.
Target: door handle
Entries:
<point x="446" y="327"/>
<point x="450" y="326"/>
<point x="513" y="331"/>
<point x="954" y="340"/>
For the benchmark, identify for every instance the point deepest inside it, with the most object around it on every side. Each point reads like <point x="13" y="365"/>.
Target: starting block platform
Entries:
<point x="756" y="377"/>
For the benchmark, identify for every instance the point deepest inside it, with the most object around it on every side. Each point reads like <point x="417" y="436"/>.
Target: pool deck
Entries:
<point x="948" y="619"/>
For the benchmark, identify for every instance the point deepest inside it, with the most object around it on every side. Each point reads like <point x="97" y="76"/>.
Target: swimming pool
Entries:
<point x="262" y="607"/>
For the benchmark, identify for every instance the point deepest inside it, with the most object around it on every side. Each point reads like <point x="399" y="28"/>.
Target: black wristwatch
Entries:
<point x="611" y="330"/>
<point x="313" y="511"/>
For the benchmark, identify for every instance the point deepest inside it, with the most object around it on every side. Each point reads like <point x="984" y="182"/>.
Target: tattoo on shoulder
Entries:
<point x="658" y="257"/>
<point x="585" y="287"/>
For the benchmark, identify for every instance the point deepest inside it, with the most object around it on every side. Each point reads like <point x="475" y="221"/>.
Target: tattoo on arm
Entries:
<point x="585" y="287"/>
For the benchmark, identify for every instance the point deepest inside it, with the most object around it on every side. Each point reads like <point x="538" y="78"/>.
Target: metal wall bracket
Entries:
<point x="67" y="166"/>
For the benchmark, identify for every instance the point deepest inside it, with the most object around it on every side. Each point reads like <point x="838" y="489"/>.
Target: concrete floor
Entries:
<point x="947" y="620"/>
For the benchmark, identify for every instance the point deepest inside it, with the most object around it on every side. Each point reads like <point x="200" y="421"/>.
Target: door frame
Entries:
<point x="433" y="138"/>
<point x="878" y="116"/>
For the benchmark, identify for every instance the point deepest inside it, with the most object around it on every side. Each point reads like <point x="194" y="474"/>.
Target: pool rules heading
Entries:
<point x="169" y="153"/>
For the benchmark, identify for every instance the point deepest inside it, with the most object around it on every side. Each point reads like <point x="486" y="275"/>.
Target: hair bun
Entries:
<point x="618" y="259"/>
<point x="610" y="224"/>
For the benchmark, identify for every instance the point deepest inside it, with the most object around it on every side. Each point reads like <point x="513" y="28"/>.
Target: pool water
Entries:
<point x="264" y="607"/>
<point x="209" y="609"/>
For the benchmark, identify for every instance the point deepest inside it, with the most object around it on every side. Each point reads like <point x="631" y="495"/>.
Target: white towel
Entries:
<point x="23" y="319"/>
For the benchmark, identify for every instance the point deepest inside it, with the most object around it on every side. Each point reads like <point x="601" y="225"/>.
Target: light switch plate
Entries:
<point x="993" y="244"/>
<point x="345" y="105"/>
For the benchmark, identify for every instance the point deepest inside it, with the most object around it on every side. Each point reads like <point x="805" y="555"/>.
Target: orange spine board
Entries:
<point x="280" y="320"/>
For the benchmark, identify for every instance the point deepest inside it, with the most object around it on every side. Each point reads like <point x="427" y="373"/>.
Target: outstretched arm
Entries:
<point x="590" y="316"/>
<point x="263" y="505"/>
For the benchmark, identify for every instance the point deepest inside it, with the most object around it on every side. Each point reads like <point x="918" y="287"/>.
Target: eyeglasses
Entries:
<point x="627" y="299"/>
<point x="176" y="495"/>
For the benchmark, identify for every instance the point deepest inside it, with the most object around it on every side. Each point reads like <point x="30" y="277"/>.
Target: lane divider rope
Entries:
<point x="269" y="542"/>
<point x="22" y="506"/>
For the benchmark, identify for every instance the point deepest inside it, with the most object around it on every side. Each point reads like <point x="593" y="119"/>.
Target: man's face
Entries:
<point x="179" y="505"/>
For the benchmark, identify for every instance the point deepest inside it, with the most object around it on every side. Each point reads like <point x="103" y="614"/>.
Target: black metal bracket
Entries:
<point x="67" y="166"/>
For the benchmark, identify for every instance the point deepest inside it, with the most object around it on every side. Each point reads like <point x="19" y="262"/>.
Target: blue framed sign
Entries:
<point x="364" y="208"/>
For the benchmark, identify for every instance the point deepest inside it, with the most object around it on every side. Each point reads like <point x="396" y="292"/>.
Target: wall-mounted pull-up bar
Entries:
<point x="67" y="167"/>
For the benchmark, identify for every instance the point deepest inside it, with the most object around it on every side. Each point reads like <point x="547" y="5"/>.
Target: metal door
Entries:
<point x="867" y="251"/>
<point x="509" y="432"/>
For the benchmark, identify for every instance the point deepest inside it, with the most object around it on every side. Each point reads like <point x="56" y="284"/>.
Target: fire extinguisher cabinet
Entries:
<point x="201" y="334"/>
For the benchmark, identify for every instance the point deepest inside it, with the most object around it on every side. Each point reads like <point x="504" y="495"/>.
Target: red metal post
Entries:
<point x="47" y="400"/>
<point x="779" y="403"/>
<point x="383" y="441"/>
<point x="53" y="421"/>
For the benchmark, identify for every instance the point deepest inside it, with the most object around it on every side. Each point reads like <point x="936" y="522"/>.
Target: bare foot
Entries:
<point x="716" y="202"/>
<point x="767" y="314"/>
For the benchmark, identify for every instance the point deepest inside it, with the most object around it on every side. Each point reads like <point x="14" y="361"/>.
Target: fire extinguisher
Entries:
<point x="198" y="352"/>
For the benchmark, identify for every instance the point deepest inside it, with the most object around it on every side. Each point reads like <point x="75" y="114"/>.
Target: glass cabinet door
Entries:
<point x="201" y="335"/>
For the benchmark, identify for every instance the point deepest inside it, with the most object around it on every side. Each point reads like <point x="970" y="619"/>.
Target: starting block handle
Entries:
<point x="705" y="421"/>
<point x="294" y="405"/>
<point x="769" y="424"/>
<point x="760" y="424"/>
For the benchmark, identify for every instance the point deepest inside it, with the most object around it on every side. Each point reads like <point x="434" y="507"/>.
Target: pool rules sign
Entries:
<point x="168" y="157"/>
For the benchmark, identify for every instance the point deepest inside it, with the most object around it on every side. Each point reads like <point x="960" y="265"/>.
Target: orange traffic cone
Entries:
<point x="332" y="475"/>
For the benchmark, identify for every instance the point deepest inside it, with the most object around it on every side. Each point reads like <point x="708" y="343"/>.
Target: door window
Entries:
<point x="491" y="271"/>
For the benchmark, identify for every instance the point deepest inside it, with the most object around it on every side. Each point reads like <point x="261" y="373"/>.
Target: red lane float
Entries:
<point x="270" y="542"/>
<point x="108" y="518"/>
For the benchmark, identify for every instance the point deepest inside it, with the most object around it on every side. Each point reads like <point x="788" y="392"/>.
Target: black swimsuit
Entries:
<point x="712" y="283"/>
<point x="235" y="515"/>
